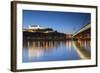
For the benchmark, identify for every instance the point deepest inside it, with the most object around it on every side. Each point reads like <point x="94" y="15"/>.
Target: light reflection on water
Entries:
<point x="37" y="51"/>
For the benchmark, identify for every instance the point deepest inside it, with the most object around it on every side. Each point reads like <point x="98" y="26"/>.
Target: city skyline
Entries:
<point x="64" y="22"/>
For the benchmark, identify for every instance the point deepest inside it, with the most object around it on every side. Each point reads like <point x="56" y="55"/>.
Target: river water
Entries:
<point x="39" y="51"/>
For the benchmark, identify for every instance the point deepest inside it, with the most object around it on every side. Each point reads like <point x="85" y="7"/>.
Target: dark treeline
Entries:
<point x="46" y="36"/>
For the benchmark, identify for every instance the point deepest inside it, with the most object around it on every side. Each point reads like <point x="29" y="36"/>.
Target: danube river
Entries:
<point x="39" y="51"/>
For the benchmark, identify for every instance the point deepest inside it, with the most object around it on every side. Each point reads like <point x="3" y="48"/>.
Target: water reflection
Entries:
<point x="83" y="48"/>
<point x="34" y="51"/>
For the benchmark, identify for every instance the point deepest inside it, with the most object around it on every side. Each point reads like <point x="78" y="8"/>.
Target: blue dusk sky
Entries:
<point x="65" y="22"/>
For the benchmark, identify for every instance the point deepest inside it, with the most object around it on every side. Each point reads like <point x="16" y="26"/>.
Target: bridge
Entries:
<point x="83" y="33"/>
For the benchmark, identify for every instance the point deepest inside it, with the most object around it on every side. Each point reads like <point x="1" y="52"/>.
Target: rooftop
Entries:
<point x="35" y="27"/>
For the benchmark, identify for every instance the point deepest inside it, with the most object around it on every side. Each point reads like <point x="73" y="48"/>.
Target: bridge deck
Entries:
<point x="83" y="29"/>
